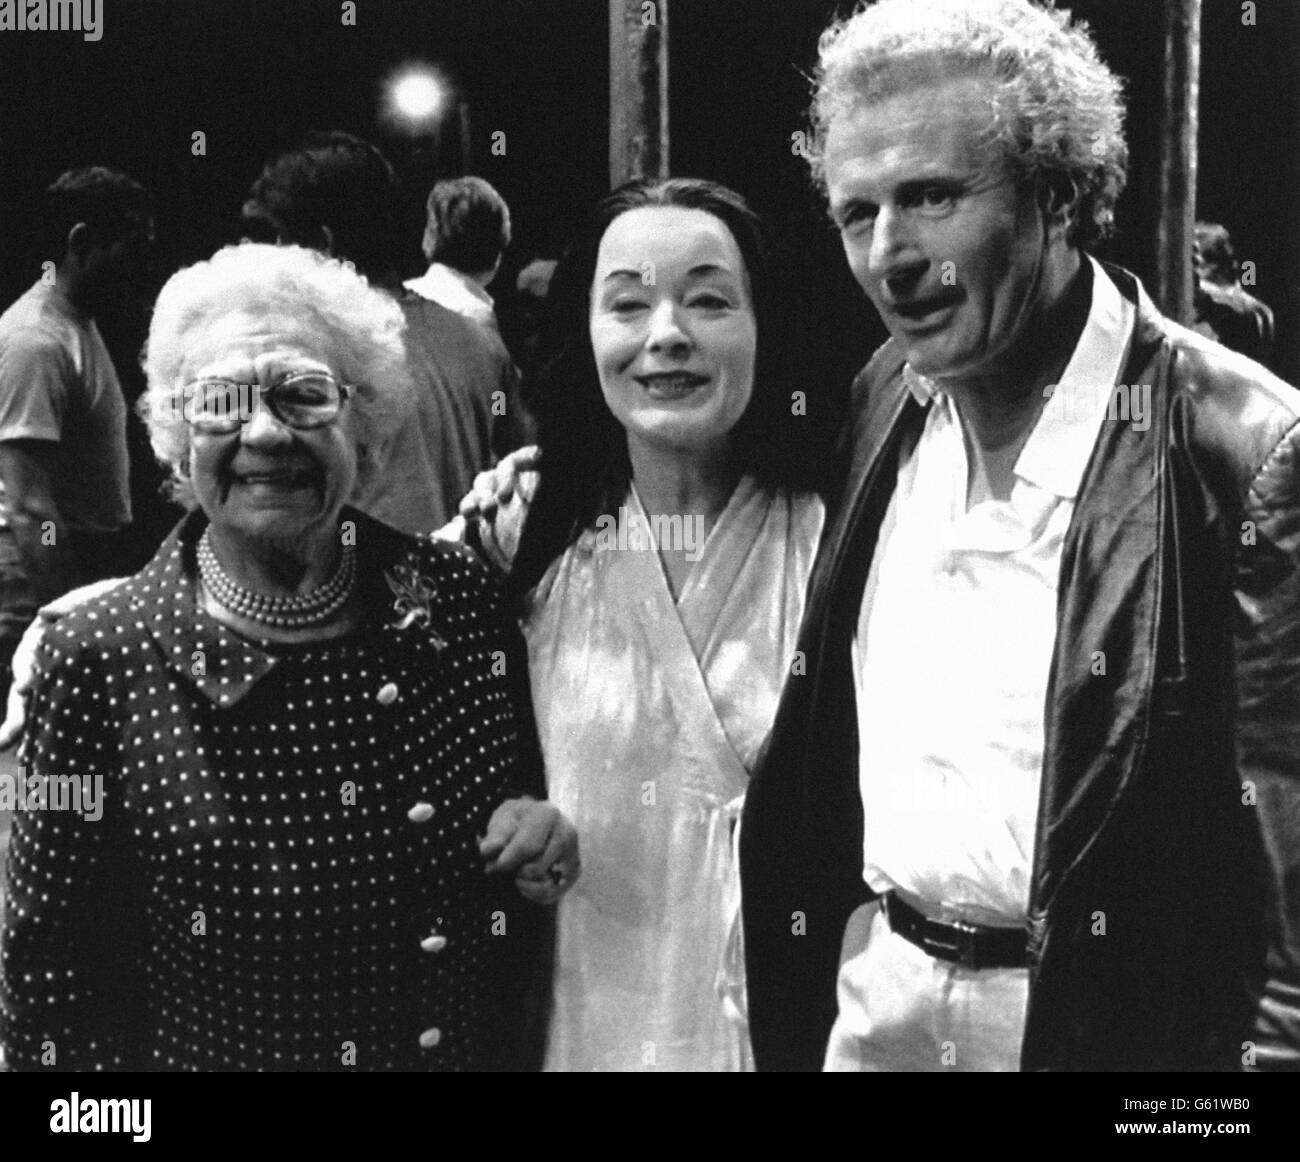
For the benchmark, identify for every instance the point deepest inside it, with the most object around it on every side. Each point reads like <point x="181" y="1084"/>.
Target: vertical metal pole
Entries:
<point x="466" y="139"/>
<point x="1175" y="281"/>
<point x="638" y="90"/>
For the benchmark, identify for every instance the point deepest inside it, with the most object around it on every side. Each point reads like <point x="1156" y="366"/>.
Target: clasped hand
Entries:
<point x="534" y="840"/>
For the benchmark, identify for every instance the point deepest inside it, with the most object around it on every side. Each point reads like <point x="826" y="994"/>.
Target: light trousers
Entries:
<point x="903" y="1010"/>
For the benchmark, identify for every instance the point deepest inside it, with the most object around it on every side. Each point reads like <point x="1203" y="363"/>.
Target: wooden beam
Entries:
<point x="1176" y="222"/>
<point x="638" y="90"/>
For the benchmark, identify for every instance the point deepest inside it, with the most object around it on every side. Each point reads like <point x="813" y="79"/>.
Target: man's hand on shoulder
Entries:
<point x="498" y="503"/>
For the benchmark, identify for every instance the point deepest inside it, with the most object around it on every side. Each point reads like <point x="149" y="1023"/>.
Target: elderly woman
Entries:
<point x="662" y="567"/>
<point x="301" y="725"/>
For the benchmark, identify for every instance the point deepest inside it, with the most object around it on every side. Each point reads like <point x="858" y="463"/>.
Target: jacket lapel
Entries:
<point x="882" y="417"/>
<point x="1103" y="674"/>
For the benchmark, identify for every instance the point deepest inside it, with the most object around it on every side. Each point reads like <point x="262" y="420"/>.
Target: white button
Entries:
<point x="388" y="694"/>
<point x="433" y="943"/>
<point x="429" y="1038"/>
<point x="420" y="813"/>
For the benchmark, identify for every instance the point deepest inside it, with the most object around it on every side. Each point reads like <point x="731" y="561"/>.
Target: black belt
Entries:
<point x="970" y="945"/>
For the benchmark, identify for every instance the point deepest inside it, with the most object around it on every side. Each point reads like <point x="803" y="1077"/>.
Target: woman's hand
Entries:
<point x="24" y="663"/>
<point x="534" y="840"/>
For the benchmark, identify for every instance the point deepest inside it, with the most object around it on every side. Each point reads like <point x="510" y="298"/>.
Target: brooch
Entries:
<point x="413" y="597"/>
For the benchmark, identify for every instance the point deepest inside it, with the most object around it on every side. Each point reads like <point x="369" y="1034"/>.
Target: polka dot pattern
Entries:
<point x="261" y="892"/>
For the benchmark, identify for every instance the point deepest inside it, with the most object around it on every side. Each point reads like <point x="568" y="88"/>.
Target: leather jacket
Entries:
<point x="1170" y="793"/>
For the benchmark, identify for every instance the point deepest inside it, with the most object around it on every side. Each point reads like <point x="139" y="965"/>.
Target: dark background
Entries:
<point x="254" y="74"/>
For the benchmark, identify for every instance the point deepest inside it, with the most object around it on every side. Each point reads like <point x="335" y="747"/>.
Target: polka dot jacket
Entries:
<point x="285" y="874"/>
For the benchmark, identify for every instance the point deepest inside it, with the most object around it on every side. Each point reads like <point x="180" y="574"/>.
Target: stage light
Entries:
<point x="416" y="96"/>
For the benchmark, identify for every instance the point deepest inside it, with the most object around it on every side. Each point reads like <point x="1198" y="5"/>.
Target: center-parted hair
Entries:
<point x="357" y="331"/>
<point x="1055" y="113"/>
<point x="585" y="468"/>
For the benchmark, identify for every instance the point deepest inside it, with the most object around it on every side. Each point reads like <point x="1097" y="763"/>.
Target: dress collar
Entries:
<point x="220" y="664"/>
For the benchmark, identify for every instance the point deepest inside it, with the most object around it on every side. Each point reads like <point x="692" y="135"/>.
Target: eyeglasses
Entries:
<point x="301" y="400"/>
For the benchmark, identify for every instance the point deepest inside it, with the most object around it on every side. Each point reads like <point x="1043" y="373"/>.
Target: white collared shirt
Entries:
<point x="954" y="642"/>
<point x="457" y="292"/>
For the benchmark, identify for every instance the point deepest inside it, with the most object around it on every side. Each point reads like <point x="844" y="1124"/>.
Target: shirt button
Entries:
<point x="433" y="943"/>
<point x="388" y="694"/>
<point x="429" y="1038"/>
<point x="420" y="813"/>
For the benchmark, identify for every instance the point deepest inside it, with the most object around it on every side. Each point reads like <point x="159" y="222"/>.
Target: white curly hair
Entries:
<point x="360" y="330"/>
<point x="1057" y="111"/>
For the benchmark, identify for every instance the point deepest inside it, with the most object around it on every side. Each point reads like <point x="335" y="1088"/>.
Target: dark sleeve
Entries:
<point x="530" y="773"/>
<point x="513" y="427"/>
<point x="528" y="967"/>
<point x="68" y="994"/>
<point x="521" y="971"/>
<point x="1268" y="731"/>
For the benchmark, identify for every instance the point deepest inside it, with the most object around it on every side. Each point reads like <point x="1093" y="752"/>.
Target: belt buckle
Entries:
<point x="963" y="949"/>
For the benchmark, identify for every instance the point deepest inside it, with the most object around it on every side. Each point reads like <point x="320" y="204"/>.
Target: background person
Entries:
<point x="338" y="194"/>
<point x="64" y="487"/>
<point x="465" y="237"/>
<point x="1225" y="310"/>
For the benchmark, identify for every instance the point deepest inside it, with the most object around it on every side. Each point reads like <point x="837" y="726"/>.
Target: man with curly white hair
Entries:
<point x="1032" y="798"/>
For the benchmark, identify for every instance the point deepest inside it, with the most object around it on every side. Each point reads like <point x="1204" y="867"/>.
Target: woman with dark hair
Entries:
<point x="583" y="438"/>
<point x="662" y="569"/>
<point x="660" y="579"/>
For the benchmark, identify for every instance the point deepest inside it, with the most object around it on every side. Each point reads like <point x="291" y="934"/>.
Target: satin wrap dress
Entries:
<point x="651" y="714"/>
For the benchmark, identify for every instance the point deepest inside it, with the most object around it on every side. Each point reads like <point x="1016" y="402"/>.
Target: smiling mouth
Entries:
<point x="282" y="478"/>
<point x="924" y="310"/>
<point x="671" y="385"/>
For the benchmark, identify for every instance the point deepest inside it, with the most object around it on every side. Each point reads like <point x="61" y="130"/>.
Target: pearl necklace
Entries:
<point x="282" y="612"/>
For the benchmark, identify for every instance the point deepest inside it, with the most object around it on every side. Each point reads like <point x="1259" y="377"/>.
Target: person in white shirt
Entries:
<point x="467" y="232"/>
<point x="1030" y="798"/>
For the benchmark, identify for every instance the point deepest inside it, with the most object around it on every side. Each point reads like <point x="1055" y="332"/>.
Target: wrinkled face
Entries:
<point x="672" y="327"/>
<point x="268" y="480"/>
<point x="946" y="248"/>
